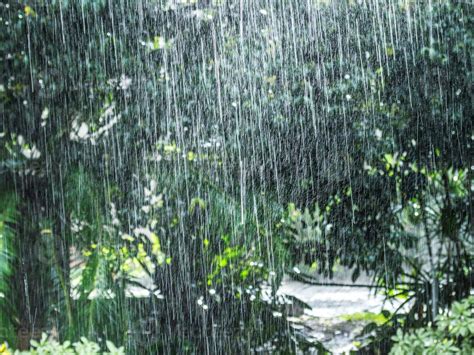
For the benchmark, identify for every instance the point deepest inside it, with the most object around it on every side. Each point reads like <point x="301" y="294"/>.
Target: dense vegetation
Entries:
<point x="164" y="163"/>
<point x="454" y="334"/>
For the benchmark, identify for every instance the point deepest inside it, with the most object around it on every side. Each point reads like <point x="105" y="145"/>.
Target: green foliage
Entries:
<point x="83" y="347"/>
<point x="8" y="220"/>
<point x="431" y="241"/>
<point x="308" y="237"/>
<point x="453" y="334"/>
<point x="401" y="190"/>
<point x="98" y="102"/>
<point x="378" y="319"/>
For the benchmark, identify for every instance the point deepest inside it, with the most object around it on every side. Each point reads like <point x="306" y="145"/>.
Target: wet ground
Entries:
<point x="329" y="319"/>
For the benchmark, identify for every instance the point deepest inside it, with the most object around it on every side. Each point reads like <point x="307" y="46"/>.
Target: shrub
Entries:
<point x="453" y="333"/>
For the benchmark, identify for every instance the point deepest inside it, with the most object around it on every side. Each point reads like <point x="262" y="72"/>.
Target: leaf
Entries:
<point x="196" y="202"/>
<point x="110" y="346"/>
<point x="355" y="274"/>
<point x="223" y="262"/>
<point x="389" y="159"/>
<point x="369" y="328"/>
<point x="29" y="12"/>
<point x="89" y="276"/>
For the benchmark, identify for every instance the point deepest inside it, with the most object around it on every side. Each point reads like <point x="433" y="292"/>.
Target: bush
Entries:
<point x="453" y="333"/>
<point x="50" y="346"/>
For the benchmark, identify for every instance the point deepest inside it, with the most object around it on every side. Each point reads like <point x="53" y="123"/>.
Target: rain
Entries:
<point x="236" y="177"/>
